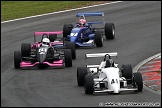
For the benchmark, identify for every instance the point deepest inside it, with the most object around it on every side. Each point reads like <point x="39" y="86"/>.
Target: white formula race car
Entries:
<point x="108" y="77"/>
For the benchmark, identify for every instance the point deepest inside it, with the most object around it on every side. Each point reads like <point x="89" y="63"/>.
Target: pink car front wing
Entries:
<point x="54" y="64"/>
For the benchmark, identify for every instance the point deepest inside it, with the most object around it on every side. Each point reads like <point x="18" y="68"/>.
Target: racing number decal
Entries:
<point x="73" y="34"/>
<point x="113" y="81"/>
<point x="42" y="50"/>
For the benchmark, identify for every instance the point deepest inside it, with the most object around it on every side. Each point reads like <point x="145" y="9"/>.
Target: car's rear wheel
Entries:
<point x="52" y="37"/>
<point x="25" y="49"/>
<point x="127" y="72"/>
<point x="17" y="59"/>
<point x="98" y="39"/>
<point x="138" y="81"/>
<point x="109" y="31"/>
<point x="88" y="84"/>
<point x="68" y="58"/>
<point x="71" y="46"/>
<point x="67" y="29"/>
<point x="81" y="72"/>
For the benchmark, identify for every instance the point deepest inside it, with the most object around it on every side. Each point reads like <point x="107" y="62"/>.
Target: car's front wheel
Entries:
<point x="17" y="59"/>
<point x="138" y="81"/>
<point x="88" y="84"/>
<point x="67" y="29"/>
<point x="68" y="58"/>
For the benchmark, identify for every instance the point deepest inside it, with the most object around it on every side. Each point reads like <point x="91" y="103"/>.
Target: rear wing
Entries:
<point x="96" y="22"/>
<point x="115" y="54"/>
<point x="88" y="14"/>
<point x="100" y="55"/>
<point x="48" y="33"/>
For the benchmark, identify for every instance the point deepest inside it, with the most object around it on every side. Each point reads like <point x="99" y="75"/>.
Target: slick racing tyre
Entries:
<point x="17" y="59"/>
<point x="81" y="72"/>
<point x="25" y="49"/>
<point x="52" y="37"/>
<point x="138" y="81"/>
<point x="67" y="29"/>
<point x="127" y="72"/>
<point x="98" y="39"/>
<point x="71" y="46"/>
<point x="109" y="31"/>
<point x="88" y="84"/>
<point x="68" y="58"/>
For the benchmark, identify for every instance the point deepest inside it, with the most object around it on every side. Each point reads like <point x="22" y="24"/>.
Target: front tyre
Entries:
<point x="68" y="58"/>
<point x="17" y="59"/>
<point x="88" y="85"/>
<point x="138" y="81"/>
<point x="67" y="29"/>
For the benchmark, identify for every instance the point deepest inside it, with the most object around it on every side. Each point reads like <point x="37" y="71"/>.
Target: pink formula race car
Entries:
<point x="52" y="55"/>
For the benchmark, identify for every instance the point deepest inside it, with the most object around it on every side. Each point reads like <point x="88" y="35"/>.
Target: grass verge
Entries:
<point x="19" y="9"/>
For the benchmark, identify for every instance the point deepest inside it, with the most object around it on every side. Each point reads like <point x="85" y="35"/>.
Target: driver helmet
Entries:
<point x="45" y="42"/>
<point x="82" y="22"/>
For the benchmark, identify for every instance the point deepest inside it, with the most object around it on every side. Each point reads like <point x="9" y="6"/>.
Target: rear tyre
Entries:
<point x="98" y="39"/>
<point x="68" y="58"/>
<point x="81" y="72"/>
<point x="138" y="81"/>
<point x="67" y="29"/>
<point x="25" y="49"/>
<point x="71" y="46"/>
<point x="127" y="72"/>
<point x="17" y="59"/>
<point x="52" y="37"/>
<point x="88" y="85"/>
<point x="109" y="31"/>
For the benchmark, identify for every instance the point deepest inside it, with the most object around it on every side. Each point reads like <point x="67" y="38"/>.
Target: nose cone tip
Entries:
<point x="116" y="89"/>
<point x="73" y="39"/>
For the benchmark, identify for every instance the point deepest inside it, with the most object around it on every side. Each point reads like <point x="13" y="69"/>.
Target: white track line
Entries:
<point x="60" y="12"/>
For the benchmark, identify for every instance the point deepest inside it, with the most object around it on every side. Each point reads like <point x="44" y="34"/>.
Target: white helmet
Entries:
<point x="45" y="42"/>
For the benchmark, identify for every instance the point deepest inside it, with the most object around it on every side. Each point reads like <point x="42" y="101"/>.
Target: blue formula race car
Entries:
<point x="85" y="33"/>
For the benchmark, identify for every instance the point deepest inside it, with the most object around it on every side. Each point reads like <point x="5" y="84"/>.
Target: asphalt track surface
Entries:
<point x="138" y="36"/>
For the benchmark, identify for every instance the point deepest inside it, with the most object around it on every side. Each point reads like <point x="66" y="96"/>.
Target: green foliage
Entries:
<point x="18" y="9"/>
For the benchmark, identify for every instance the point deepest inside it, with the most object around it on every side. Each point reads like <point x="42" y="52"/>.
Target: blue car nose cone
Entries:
<point x="73" y="39"/>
